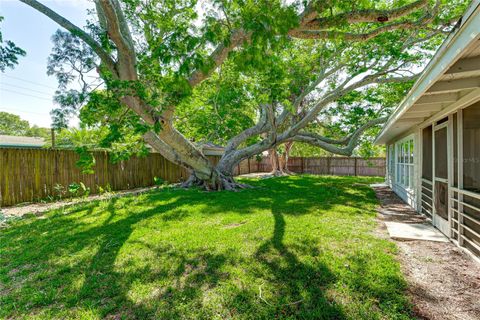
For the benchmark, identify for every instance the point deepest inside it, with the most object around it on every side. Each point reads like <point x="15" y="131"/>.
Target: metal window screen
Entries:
<point x="427" y="153"/>
<point x="455" y="150"/>
<point x="471" y="148"/>
<point x="441" y="156"/>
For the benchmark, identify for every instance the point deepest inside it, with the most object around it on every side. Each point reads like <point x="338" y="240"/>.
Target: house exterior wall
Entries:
<point x="463" y="206"/>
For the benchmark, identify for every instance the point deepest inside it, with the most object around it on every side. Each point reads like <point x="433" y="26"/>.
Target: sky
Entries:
<point x="27" y="90"/>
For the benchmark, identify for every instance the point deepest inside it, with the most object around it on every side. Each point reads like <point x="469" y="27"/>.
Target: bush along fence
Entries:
<point x="29" y="175"/>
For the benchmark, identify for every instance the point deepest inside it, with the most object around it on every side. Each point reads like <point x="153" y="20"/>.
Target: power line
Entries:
<point x="26" y="94"/>
<point x="24" y="80"/>
<point x="20" y="87"/>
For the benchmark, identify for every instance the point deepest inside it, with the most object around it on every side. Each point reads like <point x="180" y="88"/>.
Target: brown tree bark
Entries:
<point x="274" y="162"/>
<point x="288" y="147"/>
<point x="279" y="162"/>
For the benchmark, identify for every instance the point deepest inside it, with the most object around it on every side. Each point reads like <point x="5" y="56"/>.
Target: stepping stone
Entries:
<point x="414" y="231"/>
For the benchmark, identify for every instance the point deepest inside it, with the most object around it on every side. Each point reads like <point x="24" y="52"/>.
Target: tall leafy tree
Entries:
<point x="11" y="124"/>
<point x="152" y="55"/>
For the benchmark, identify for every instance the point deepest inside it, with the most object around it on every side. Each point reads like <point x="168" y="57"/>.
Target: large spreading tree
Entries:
<point x="303" y="58"/>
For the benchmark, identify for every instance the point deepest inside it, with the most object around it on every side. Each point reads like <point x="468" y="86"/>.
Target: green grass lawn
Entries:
<point x="300" y="247"/>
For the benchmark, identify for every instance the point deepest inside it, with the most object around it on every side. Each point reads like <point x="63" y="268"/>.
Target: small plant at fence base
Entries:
<point x="159" y="181"/>
<point x="76" y="189"/>
<point x="59" y="190"/>
<point x="106" y="189"/>
<point x="73" y="189"/>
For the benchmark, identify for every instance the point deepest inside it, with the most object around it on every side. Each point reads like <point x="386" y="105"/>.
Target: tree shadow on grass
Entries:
<point x="106" y="286"/>
<point x="182" y="276"/>
<point x="299" y="286"/>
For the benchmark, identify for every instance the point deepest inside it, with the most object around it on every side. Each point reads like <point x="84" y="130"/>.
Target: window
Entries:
<point x="405" y="159"/>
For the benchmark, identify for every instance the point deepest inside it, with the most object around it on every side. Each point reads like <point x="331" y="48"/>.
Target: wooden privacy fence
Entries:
<point x="28" y="175"/>
<point x="32" y="174"/>
<point x="342" y="166"/>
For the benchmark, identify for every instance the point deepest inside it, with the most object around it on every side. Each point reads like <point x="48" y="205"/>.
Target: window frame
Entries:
<point x="405" y="162"/>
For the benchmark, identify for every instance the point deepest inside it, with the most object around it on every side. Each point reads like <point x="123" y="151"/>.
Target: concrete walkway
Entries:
<point x="402" y="222"/>
<point x="414" y="231"/>
<point x="443" y="281"/>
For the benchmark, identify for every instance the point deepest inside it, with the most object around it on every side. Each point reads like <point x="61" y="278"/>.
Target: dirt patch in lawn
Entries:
<point x="444" y="281"/>
<point x="261" y="175"/>
<point x="234" y="225"/>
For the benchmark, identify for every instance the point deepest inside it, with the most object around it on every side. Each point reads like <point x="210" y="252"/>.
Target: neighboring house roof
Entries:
<point x="21" y="142"/>
<point x="450" y="81"/>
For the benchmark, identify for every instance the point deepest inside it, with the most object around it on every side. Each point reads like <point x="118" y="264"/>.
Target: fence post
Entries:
<point x="355" y="166"/>
<point x="52" y="132"/>
<point x="248" y="160"/>
<point x="302" y="165"/>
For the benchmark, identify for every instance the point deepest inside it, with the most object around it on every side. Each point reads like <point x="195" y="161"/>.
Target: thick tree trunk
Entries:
<point x="221" y="178"/>
<point x="275" y="162"/>
<point x="284" y="159"/>
<point x="216" y="183"/>
<point x="279" y="162"/>
<point x="192" y="160"/>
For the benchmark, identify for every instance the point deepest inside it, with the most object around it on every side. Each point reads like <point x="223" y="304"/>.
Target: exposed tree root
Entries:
<point x="216" y="183"/>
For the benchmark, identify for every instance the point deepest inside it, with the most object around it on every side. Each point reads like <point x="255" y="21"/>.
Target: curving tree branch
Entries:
<point x="260" y="127"/>
<point x="112" y="17"/>
<point x="368" y="15"/>
<point x="333" y="34"/>
<point x="331" y="145"/>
